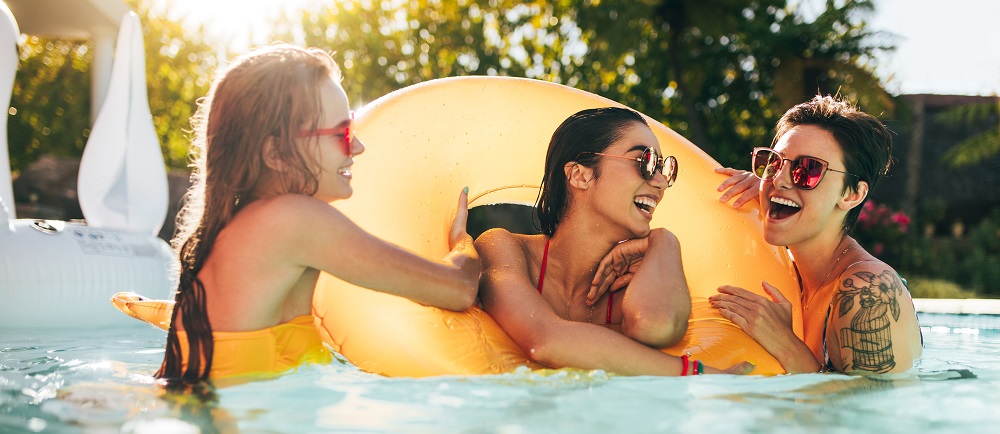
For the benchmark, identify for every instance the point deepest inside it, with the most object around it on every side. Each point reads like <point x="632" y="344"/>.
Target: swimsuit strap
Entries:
<point x="611" y="303"/>
<point x="541" y="281"/>
<point x="545" y="258"/>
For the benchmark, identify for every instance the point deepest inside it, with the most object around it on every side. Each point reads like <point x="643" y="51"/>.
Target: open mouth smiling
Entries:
<point x="782" y="208"/>
<point x="646" y="205"/>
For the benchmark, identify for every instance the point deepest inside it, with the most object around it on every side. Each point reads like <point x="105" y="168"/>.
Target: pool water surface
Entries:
<point x="98" y="381"/>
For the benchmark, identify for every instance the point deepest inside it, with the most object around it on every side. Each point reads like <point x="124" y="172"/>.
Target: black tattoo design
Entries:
<point x="868" y="335"/>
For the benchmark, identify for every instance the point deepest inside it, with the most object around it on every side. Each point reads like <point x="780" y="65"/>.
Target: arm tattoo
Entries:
<point x="868" y="335"/>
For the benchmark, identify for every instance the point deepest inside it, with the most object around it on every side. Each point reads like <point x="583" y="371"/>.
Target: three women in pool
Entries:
<point x="558" y="294"/>
<point x="273" y="147"/>
<point x="826" y="158"/>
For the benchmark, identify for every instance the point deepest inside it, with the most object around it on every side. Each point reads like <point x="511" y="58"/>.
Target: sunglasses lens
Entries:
<point x="766" y="164"/>
<point x="647" y="163"/>
<point x="670" y="170"/>
<point x="807" y="172"/>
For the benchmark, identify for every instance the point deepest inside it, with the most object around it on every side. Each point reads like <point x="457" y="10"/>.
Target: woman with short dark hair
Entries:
<point x="825" y="159"/>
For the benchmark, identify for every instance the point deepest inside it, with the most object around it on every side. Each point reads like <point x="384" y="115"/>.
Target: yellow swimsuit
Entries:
<point x="265" y="352"/>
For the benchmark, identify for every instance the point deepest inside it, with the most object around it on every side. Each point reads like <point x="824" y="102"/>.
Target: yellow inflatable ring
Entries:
<point x="426" y="142"/>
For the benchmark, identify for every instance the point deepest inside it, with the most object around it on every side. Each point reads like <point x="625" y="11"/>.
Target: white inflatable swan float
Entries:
<point x="58" y="274"/>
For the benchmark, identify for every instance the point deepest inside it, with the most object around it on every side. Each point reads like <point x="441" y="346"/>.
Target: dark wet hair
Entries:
<point x="591" y="130"/>
<point x="866" y="144"/>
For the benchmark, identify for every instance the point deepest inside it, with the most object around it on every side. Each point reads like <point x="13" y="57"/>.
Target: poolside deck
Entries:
<point x="957" y="306"/>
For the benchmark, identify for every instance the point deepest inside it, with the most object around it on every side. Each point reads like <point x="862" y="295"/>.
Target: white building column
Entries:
<point x="104" y="50"/>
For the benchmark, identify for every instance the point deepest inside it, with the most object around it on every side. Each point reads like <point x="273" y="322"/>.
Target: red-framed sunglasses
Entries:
<point x="344" y="133"/>
<point x="649" y="164"/>
<point x="806" y="172"/>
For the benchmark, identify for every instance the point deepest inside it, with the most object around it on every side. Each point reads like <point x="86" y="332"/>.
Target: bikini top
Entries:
<point x="541" y="280"/>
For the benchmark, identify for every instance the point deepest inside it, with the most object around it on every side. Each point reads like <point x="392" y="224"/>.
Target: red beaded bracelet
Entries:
<point x="684" y="363"/>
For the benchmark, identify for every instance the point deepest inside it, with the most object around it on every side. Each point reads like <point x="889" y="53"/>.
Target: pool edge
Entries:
<point x="978" y="306"/>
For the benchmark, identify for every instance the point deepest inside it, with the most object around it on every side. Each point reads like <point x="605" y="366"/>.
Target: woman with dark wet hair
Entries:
<point x="560" y="295"/>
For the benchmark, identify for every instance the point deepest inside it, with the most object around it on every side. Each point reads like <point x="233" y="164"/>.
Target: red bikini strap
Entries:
<point x="611" y="303"/>
<point x="545" y="258"/>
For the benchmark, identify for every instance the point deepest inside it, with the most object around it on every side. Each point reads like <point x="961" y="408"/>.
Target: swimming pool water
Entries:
<point x="98" y="381"/>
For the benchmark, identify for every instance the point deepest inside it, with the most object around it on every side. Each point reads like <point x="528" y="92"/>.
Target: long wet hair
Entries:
<point x="591" y="130"/>
<point x="866" y="144"/>
<point x="252" y="114"/>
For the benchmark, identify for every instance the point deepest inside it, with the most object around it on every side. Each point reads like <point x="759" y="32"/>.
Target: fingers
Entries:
<point x="743" y="185"/>
<point x="598" y="290"/>
<point x="739" y="292"/>
<point x="622" y="282"/>
<point x="775" y="294"/>
<point x="735" y="177"/>
<point x="458" y="225"/>
<point x="735" y="307"/>
<point x="727" y="171"/>
<point x="745" y="198"/>
<point x="741" y="368"/>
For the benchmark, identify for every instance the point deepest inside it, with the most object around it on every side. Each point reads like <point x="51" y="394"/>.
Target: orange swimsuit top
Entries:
<point x="541" y="280"/>
<point x="266" y="352"/>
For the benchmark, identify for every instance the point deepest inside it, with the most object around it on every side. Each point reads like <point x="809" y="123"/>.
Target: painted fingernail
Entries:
<point x="466" y="189"/>
<point x="752" y="363"/>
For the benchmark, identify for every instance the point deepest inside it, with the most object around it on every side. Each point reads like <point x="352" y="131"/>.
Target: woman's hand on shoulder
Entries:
<point x="742" y="185"/>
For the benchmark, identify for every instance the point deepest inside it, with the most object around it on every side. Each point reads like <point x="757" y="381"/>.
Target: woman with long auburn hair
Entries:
<point x="272" y="148"/>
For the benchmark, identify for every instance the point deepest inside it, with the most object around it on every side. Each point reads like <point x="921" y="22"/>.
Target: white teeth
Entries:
<point x="646" y="203"/>
<point x="785" y="202"/>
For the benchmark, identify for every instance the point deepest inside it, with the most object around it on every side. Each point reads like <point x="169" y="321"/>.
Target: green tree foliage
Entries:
<point x="983" y="144"/>
<point x="51" y="113"/>
<point x="722" y="72"/>
<point x="718" y="72"/>
<point x="179" y="68"/>
<point x="50" y="104"/>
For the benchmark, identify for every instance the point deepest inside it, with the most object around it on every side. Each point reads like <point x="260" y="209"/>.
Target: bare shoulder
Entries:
<point x="873" y="319"/>
<point x="871" y="284"/>
<point x="497" y="243"/>
<point x="287" y="220"/>
<point x="507" y="255"/>
<point x="291" y="207"/>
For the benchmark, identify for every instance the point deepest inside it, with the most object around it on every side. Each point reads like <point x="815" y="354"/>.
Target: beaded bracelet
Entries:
<point x="684" y="363"/>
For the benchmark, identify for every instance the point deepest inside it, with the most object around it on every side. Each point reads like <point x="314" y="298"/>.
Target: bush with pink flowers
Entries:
<point x="882" y="230"/>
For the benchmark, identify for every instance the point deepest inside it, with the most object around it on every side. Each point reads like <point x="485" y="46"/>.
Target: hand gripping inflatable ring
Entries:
<point x="424" y="143"/>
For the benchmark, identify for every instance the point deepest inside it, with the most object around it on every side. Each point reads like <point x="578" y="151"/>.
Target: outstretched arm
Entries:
<point x="657" y="304"/>
<point x="348" y="252"/>
<point x="769" y="322"/>
<point x="510" y="298"/>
